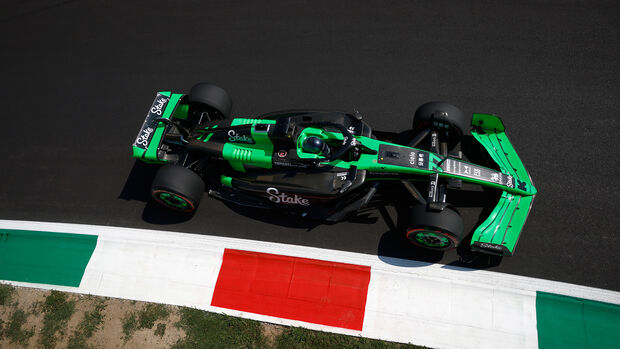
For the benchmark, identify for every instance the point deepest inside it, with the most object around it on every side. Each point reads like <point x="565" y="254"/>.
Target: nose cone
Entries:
<point x="312" y="144"/>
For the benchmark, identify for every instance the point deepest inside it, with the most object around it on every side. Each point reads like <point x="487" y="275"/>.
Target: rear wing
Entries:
<point x="147" y="146"/>
<point x="499" y="233"/>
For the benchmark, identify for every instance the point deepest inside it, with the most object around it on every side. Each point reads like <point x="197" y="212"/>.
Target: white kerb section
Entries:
<point x="408" y="301"/>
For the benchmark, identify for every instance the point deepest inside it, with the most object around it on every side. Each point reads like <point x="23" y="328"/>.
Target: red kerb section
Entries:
<point x="310" y="290"/>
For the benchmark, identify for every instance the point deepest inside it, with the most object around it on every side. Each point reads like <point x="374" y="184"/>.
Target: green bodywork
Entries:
<point x="259" y="154"/>
<point x="248" y="146"/>
<point x="173" y="109"/>
<point x="501" y="230"/>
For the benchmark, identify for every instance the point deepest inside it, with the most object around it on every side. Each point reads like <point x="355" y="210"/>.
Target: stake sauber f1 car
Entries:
<point x="329" y="165"/>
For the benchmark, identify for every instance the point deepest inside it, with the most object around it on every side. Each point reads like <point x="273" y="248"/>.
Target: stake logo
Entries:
<point x="282" y="198"/>
<point x="234" y="137"/>
<point x="143" y="138"/>
<point x="491" y="246"/>
<point x="158" y="106"/>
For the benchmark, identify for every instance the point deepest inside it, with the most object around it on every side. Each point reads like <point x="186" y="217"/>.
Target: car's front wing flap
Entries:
<point x="500" y="232"/>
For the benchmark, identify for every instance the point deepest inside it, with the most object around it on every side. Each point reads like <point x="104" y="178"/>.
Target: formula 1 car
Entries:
<point x="329" y="165"/>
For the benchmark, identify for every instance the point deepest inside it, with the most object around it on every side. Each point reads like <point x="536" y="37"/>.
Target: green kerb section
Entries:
<point x="44" y="257"/>
<point x="568" y="322"/>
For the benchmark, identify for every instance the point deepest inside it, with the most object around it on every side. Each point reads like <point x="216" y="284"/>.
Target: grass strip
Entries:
<point x="14" y="330"/>
<point x="78" y="341"/>
<point x="210" y="330"/>
<point x="6" y="293"/>
<point x="130" y="325"/>
<point x="301" y="338"/>
<point x="92" y="320"/>
<point x="150" y="313"/>
<point x="90" y="323"/>
<point x="57" y="312"/>
<point x="160" y="330"/>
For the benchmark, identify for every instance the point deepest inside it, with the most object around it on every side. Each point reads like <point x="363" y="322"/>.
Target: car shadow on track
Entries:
<point x="138" y="183"/>
<point x="138" y="187"/>
<point x="474" y="203"/>
<point x="276" y="217"/>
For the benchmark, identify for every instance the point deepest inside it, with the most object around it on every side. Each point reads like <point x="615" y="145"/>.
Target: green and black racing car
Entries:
<point x="330" y="165"/>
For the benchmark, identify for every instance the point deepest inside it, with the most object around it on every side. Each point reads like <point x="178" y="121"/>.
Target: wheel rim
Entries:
<point x="430" y="238"/>
<point x="173" y="200"/>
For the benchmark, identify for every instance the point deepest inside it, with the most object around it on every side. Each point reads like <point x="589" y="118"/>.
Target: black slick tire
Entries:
<point x="434" y="230"/>
<point x="211" y="96"/>
<point x="177" y="188"/>
<point x="442" y="115"/>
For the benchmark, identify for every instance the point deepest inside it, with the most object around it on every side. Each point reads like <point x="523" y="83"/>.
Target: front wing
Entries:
<point x="499" y="233"/>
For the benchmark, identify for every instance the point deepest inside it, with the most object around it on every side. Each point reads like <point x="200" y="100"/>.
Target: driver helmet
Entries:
<point x="315" y="145"/>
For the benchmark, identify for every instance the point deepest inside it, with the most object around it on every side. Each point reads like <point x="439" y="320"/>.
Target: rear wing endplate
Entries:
<point x="149" y="139"/>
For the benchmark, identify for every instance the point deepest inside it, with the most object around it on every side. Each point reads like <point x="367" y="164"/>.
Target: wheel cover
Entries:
<point x="431" y="238"/>
<point x="173" y="200"/>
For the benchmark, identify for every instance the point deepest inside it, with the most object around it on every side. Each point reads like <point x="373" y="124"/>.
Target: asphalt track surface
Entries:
<point x="78" y="76"/>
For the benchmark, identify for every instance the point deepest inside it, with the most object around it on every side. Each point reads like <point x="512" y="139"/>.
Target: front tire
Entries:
<point x="442" y="116"/>
<point x="433" y="230"/>
<point x="177" y="188"/>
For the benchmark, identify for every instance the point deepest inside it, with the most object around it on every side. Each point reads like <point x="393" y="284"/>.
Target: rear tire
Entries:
<point x="177" y="188"/>
<point x="442" y="115"/>
<point x="208" y="97"/>
<point x="434" y="230"/>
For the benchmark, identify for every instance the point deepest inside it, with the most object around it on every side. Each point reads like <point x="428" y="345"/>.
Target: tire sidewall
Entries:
<point x="447" y="223"/>
<point x="211" y="96"/>
<point x="180" y="183"/>
<point x="425" y="117"/>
